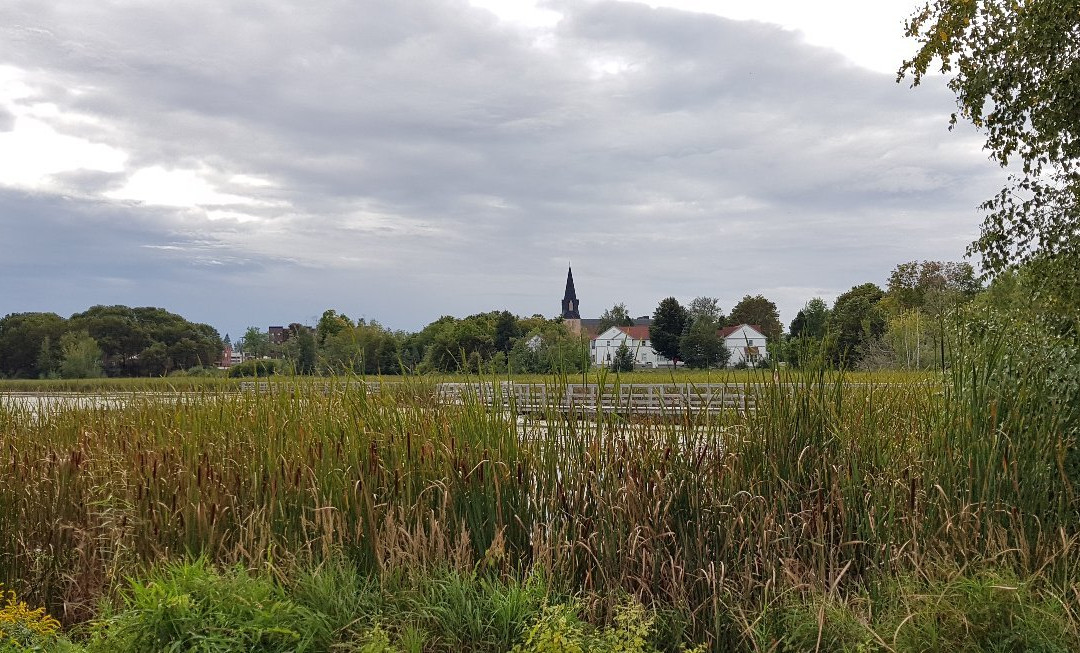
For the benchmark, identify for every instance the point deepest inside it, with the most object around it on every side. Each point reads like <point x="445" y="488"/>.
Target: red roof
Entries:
<point x="636" y="332"/>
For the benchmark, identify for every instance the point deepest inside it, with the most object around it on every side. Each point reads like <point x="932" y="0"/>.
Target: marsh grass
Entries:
<point x="827" y="489"/>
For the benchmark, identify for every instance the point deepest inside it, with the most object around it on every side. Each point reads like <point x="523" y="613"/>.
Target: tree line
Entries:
<point x="899" y="326"/>
<point x="104" y="341"/>
<point x="492" y="341"/>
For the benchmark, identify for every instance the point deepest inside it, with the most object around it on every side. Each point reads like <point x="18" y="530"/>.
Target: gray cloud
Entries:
<point x="425" y="159"/>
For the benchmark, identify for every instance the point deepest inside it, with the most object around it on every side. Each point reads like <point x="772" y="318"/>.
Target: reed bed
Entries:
<point x="826" y="490"/>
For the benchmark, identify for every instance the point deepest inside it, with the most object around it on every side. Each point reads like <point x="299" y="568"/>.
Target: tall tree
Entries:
<point x="854" y="320"/>
<point x="256" y="342"/>
<point x="21" y="339"/>
<point x="124" y="333"/>
<point x="760" y="311"/>
<point x="810" y="321"/>
<point x="807" y="333"/>
<point x="81" y="356"/>
<point x="931" y="286"/>
<point x="705" y="307"/>
<point x="668" y="323"/>
<point x="331" y="323"/>
<point x="1015" y="70"/>
<point x="506" y="329"/>
<point x="701" y="346"/>
<point x="617" y="315"/>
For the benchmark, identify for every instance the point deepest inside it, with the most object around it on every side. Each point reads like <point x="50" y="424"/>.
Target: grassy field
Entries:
<point x="888" y="512"/>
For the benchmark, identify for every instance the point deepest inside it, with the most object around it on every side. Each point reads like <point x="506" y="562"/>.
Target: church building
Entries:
<point x="571" y="312"/>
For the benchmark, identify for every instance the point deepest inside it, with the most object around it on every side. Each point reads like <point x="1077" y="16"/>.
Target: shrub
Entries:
<point x="192" y="607"/>
<point x="623" y="360"/>
<point x="256" y="367"/>
<point x="23" y="628"/>
<point x="559" y="629"/>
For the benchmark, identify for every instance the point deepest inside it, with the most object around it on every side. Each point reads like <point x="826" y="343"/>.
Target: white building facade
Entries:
<point x="745" y="342"/>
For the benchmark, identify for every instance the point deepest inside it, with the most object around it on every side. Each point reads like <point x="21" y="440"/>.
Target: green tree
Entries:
<point x="668" y="323"/>
<point x="49" y="358"/>
<point x="155" y="360"/>
<point x="855" y="320"/>
<point x="301" y="350"/>
<point x="81" y="356"/>
<point x="617" y="315"/>
<point x="930" y="286"/>
<point x="363" y="349"/>
<point x="331" y="323"/>
<point x="811" y="319"/>
<point x="705" y="307"/>
<point x="806" y="336"/>
<point x="124" y="333"/>
<point x="506" y="329"/>
<point x="701" y="346"/>
<point x="758" y="310"/>
<point x="1015" y="70"/>
<point x="623" y="360"/>
<point x="255" y="343"/>
<point x="914" y="340"/>
<point x="21" y="338"/>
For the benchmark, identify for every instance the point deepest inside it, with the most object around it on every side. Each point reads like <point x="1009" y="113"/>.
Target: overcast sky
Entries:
<point x="254" y="162"/>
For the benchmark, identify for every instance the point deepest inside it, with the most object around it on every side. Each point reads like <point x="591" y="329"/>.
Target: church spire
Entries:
<point x="570" y="300"/>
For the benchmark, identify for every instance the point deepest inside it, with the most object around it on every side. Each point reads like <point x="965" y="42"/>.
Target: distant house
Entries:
<point x="602" y="348"/>
<point x="745" y="342"/>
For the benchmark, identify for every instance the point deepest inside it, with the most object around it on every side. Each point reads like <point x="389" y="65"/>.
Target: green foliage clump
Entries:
<point x="24" y="629"/>
<point x="560" y="629"/>
<point x="623" y="360"/>
<point x="258" y="367"/>
<point x="81" y="356"/>
<point x="984" y="611"/>
<point x="701" y="346"/>
<point x="192" y="607"/>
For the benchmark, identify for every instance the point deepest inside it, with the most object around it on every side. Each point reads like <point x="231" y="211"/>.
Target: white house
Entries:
<point x="745" y="342"/>
<point x="603" y="346"/>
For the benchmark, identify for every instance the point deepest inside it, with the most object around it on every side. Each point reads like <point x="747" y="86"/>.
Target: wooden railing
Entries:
<point x="637" y="399"/>
<point x="590" y="398"/>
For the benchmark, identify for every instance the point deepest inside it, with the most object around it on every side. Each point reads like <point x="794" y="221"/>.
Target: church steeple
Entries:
<point x="570" y="301"/>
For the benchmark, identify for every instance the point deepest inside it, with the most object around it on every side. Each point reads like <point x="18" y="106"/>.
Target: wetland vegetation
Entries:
<point x="928" y="513"/>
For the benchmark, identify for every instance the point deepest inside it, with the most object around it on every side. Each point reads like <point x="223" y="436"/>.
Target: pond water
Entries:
<point x="36" y="403"/>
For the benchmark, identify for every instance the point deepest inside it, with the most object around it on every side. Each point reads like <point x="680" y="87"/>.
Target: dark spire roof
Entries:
<point x="570" y="300"/>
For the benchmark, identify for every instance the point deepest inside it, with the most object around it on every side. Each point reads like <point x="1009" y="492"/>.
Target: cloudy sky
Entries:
<point x="254" y="162"/>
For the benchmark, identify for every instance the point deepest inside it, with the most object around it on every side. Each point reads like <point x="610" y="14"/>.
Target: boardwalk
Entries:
<point x="576" y="398"/>
<point x="625" y="399"/>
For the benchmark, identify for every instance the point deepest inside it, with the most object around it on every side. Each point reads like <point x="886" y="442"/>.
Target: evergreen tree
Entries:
<point x="623" y="360"/>
<point x="668" y="323"/>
